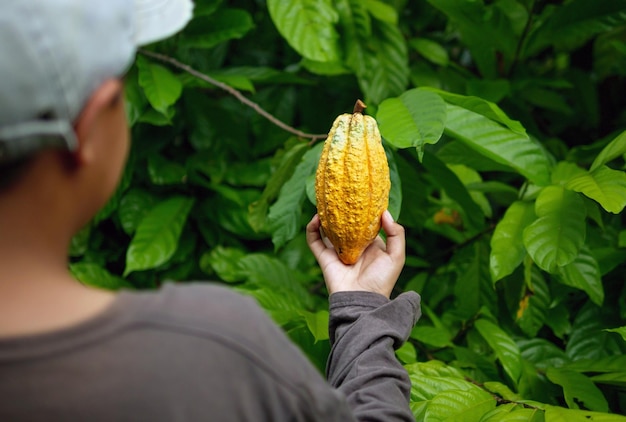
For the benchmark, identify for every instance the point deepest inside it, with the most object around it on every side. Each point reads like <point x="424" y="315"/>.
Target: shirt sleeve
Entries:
<point x="365" y="330"/>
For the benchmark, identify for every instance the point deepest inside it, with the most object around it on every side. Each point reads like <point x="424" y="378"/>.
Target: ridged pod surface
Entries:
<point x="352" y="184"/>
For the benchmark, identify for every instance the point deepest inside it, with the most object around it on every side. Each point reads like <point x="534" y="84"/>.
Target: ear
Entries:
<point x="87" y="123"/>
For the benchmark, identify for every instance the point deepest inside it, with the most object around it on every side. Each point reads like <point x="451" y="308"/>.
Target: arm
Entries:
<point x="366" y="327"/>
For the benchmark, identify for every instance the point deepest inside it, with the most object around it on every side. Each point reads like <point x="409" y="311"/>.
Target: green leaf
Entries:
<point x="621" y="331"/>
<point x="609" y="54"/>
<point x="573" y="23"/>
<point x="504" y="347"/>
<point x="418" y="408"/>
<point x="511" y="412"/>
<point x="607" y="364"/>
<point x="578" y="388"/>
<point x="407" y="353"/>
<point x="546" y="99"/>
<point x="395" y="193"/>
<point x="157" y="118"/>
<point x="325" y="68"/>
<point x="376" y="52"/>
<point x="555" y="238"/>
<point x="448" y="181"/>
<point x="317" y="322"/>
<point x="476" y="290"/>
<point x="431" y="51"/>
<point x="609" y="258"/>
<point x="485" y="30"/>
<point x="433" y="377"/>
<point x="588" y="340"/>
<point x="507" y="247"/>
<point x="94" y="275"/>
<point x="490" y="90"/>
<point x="270" y="277"/>
<point x="135" y="102"/>
<point x="230" y="210"/>
<point x="356" y="23"/>
<point x="501" y="390"/>
<point x="614" y="378"/>
<point x="134" y="206"/>
<point x="80" y="242"/>
<point x="498" y="143"/>
<point x="433" y="336"/>
<point x="246" y="173"/>
<point x="457" y="152"/>
<point x="285" y="214"/>
<point x="492" y="187"/>
<point x="604" y="185"/>
<point x="258" y="209"/>
<point x="223" y="25"/>
<point x="460" y="405"/>
<point x="381" y="11"/>
<point x="583" y="273"/>
<point x="308" y="27"/>
<point x="162" y="87"/>
<point x="387" y="70"/>
<point x="415" y="118"/>
<point x="470" y="177"/>
<point x="565" y="171"/>
<point x="316" y="351"/>
<point x="542" y="353"/>
<point x="560" y="414"/>
<point x="481" y="106"/>
<point x="225" y="263"/>
<point x="206" y="7"/>
<point x="280" y="307"/>
<point x="165" y="172"/>
<point x="156" y="238"/>
<point x="532" y="319"/>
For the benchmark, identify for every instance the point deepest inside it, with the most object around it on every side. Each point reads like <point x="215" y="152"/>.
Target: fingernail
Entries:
<point x="389" y="215"/>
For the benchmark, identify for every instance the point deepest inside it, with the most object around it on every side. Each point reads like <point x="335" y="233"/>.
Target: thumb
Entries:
<point x="395" y="236"/>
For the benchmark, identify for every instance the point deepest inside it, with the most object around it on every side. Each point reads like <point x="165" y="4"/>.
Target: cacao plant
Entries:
<point x="503" y="124"/>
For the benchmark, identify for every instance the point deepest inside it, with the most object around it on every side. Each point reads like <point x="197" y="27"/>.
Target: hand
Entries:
<point x="377" y="270"/>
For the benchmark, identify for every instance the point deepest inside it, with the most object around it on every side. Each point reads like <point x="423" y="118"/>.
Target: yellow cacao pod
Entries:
<point x="352" y="184"/>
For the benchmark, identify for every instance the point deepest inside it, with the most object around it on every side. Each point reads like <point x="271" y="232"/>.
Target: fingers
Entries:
<point x="313" y="237"/>
<point x="395" y="237"/>
<point x="395" y="246"/>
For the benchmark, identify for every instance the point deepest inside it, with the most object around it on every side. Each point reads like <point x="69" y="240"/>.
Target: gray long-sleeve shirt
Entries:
<point x="200" y="352"/>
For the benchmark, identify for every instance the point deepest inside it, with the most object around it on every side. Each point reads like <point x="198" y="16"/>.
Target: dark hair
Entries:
<point x="9" y="173"/>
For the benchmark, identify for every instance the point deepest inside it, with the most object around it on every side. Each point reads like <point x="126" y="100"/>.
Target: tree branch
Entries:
<point x="237" y="94"/>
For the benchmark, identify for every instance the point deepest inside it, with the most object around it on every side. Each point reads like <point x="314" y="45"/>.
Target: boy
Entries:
<point x="182" y="353"/>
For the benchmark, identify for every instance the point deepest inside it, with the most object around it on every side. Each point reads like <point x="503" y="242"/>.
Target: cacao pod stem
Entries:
<point x="359" y="107"/>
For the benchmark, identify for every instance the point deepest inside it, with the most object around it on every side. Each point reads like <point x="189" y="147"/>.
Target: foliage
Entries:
<point x="504" y="125"/>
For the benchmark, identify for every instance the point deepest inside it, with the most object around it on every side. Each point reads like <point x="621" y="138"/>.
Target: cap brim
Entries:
<point x="159" y="19"/>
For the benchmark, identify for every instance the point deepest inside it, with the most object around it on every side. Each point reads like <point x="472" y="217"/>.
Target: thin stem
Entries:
<point x="359" y="106"/>
<point x="522" y="39"/>
<point x="237" y="94"/>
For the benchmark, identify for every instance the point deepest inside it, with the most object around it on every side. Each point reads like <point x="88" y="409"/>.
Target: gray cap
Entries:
<point x="55" y="53"/>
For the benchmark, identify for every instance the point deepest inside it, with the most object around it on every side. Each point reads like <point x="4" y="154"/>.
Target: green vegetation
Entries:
<point x="505" y="127"/>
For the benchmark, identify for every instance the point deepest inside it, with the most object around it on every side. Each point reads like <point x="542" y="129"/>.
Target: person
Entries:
<point x="186" y="352"/>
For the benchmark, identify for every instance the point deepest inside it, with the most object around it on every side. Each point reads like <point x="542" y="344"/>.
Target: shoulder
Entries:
<point x="218" y="321"/>
<point x="194" y="299"/>
<point x="213" y="313"/>
<point x="197" y="305"/>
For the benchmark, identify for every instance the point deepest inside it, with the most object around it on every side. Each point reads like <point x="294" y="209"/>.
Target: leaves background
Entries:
<point x="504" y="127"/>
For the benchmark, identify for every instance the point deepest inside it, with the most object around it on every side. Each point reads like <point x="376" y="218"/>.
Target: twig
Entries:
<point x="522" y="40"/>
<point x="237" y="94"/>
